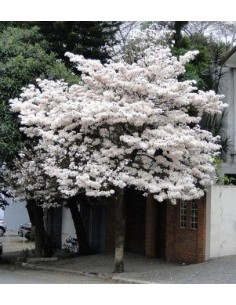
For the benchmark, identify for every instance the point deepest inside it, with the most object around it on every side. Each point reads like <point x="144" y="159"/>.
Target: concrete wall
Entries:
<point x="221" y="221"/>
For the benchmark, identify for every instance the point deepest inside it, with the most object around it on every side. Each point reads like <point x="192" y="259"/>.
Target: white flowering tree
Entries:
<point x="28" y="181"/>
<point x="124" y="125"/>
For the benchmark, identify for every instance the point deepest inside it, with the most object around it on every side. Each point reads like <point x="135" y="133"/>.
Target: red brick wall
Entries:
<point x="185" y="245"/>
<point x="180" y="245"/>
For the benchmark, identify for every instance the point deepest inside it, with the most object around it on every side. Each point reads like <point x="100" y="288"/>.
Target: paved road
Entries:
<point x="14" y="275"/>
<point x="138" y="268"/>
<point x="12" y="242"/>
<point x="11" y="274"/>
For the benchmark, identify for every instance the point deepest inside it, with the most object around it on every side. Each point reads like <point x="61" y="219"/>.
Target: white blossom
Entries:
<point x="123" y="124"/>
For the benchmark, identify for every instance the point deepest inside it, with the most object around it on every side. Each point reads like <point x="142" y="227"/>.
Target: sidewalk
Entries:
<point x="140" y="269"/>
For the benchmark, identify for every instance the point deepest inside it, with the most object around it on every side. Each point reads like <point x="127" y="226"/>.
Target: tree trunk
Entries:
<point x="119" y="231"/>
<point x="29" y="207"/>
<point x="39" y="232"/>
<point x="178" y="26"/>
<point x="84" y="248"/>
<point x="37" y="216"/>
<point x="47" y="248"/>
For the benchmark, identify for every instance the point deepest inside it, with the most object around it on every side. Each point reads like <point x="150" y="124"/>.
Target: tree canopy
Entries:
<point x="87" y="38"/>
<point x="125" y="124"/>
<point x="24" y="56"/>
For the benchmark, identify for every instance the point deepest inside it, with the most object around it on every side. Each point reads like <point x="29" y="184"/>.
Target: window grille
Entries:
<point x="194" y="217"/>
<point x="183" y="215"/>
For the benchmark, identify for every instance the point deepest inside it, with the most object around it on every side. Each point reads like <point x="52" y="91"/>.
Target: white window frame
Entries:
<point x="183" y="214"/>
<point x="194" y="216"/>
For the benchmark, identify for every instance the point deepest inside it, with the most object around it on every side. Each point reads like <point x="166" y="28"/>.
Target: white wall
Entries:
<point x="68" y="228"/>
<point x="221" y="221"/>
<point x="15" y="214"/>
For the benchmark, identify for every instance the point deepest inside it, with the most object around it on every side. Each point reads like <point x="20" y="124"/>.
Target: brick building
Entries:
<point x="189" y="232"/>
<point x="176" y="233"/>
<point x="172" y="232"/>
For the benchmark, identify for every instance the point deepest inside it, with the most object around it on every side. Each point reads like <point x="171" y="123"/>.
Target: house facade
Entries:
<point x="188" y="232"/>
<point x="227" y="87"/>
<point x="175" y="233"/>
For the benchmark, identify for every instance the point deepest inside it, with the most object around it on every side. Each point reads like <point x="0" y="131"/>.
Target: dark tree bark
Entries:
<point x="36" y="218"/>
<point x="178" y="26"/>
<point x="29" y="207"/>
<point x="84" y="248"/>
<point x="43" y="246"/>
<point x="119" y="230"/>
<point x="48" y="248"/>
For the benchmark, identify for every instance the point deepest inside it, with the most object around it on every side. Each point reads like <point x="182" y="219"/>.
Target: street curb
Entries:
<point x="42" y="259"/>
<point x="84" y="273"/>
<point x="46" y="268"/>
<point x="130" y="281"/>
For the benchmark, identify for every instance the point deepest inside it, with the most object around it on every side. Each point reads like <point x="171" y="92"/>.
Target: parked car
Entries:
<point x="0" y="250"/>
<point x="3" y="227"/>
<point x="24" y="228"/>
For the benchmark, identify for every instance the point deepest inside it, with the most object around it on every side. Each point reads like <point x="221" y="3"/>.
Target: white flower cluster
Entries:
<point x="124" y="124"/>
<point x="138" y="41"/>
<point x="27" y="180"/>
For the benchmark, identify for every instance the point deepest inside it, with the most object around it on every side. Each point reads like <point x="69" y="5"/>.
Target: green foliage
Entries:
<point x="24" y="57"/>
<point x="9" y="135"/>
<point x="218" y="166"/>
<point x="80" y="37"/>
<point x="206" y="71"/>
<point x="202" y="68"/>
<point x="229" y="180"/>
<point x="205" y="68"/>
<point x="222" y="179"/>
<point x="216" y="124"/>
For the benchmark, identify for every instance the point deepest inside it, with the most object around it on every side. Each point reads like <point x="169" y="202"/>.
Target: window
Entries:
<point x="189" y="215"/>
<point x="183" y="214"/>
<point x="193" y="223"/>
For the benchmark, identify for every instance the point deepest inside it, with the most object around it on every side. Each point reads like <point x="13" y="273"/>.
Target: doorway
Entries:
<point x="135" y="204"/>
